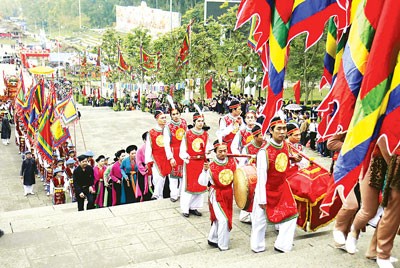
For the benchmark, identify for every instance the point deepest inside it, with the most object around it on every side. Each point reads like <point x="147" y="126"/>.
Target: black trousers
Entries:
<point x="313" y="136"/>
<point x="81" y="201"/>
<point x="117" y="189"/>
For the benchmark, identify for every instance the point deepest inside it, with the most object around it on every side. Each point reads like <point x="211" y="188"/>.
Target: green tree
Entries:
<point x="305" y="65"/>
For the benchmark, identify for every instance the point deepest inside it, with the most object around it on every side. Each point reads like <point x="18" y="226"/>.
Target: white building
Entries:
<point x="157" y="21"/>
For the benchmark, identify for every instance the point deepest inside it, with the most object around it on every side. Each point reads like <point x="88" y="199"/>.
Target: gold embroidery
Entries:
<point x="197" y="145"/>
<point x="249" y="139"/>
<point x="281" y="162"/>
<point x="160" y="141"/>
<point x="235" y="127"/>
<point x="225" y="176"/>
<point x="179" y="133"/>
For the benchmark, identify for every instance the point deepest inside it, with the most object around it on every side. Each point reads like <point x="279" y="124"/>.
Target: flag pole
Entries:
<point x="141" y="65"/>
<point x="83" y="138"/>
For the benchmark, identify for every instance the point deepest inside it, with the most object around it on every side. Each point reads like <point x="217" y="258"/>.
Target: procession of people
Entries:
<point x="178" y="161"/>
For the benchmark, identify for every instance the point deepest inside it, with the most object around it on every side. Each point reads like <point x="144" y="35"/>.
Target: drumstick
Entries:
<point x="241" y="155"/>
<point x="303" y="155"/>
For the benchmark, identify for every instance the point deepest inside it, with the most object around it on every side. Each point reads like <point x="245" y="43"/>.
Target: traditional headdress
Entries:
<point x="198" y="114"/>
<point x="100" y="158"/>
<point x="171" y="102"/>
<point x="130" y="148"/>
<point x="158" y="113"/>
<point x="277" y="120"/>
<point x="291" y="127"/>
<point x="234" y="104"/>
<point x="219" y="140"/>
<point x="256" y="130"/>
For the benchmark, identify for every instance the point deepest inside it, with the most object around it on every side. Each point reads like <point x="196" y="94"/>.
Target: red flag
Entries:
<point x="84" y="91"/>
<point x="84" y="61"/>
<point x="296" y="89"/>
<point x="115" y="95"/>
<point x="138" y="98"/>
<point x="98" y="61"/>
<point x="208" y="88"/>
<point x="98" y="94"/>
<point x="185" y="48"/>
<point x="171" y="90"/>
<point x="122" y="65"/>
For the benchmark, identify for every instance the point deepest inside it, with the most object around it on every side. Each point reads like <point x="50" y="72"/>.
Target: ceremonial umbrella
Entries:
<point x="41" y="70"/>
<point x="293" y="107"/>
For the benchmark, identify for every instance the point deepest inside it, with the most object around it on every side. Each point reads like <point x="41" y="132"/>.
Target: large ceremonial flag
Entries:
<point x="149" y="61"/>
<point x="372" y="101"/>
<point x="183" y="55"/>
<point x="44" y="136"/>
<point x="70" y="113"/>
<point x="34" y="108"/>
<point x="277" y="23"/>
<point x="59" y="133"/>
<point x="20" y="99"/>
<point x="261" y="28"/>
<point x="338" y="106"/>
<point x="66" y="110"/>
<point x="122" y="65"/>
<point x="330" y="54"/>
<point x="208" y="88"/>
<point x="310" y="16"/>
<point x="390" y="129"/>
<point x="278" y="54"/>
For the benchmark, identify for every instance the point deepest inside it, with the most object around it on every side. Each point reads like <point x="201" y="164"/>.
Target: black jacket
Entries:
<point x="83" y="179"/>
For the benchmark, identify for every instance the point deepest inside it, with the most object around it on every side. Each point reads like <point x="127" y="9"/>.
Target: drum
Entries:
<point x="309" y="187"/>
<point x="244" y="183"/>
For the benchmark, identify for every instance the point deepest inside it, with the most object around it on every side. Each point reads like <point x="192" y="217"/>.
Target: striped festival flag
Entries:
<point x="338" y="106"/>
<point x="372" y="101"/>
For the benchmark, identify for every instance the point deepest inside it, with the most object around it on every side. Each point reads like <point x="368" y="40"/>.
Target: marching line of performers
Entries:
<point x="175" y="162"/>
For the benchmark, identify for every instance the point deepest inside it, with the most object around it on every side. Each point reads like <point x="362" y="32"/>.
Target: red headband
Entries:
<point x="234" y="106"/>
<point x="255" y="133"/>
<point x="277" y="122"/>
<point x="157" y="116"/>
<point x="293" y="130"/>
<point x="219" y="144"/>
<point x="195" y="117"/>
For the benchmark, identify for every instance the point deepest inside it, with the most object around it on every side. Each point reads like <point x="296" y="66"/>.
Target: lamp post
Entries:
<point x="80" y="14"/>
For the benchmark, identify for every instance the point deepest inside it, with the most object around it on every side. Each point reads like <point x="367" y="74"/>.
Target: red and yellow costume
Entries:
<point x="196" y="149"/>
<point x="222" y="178"/>
<point x="58" y="190"/>
<point x="177" y="131"/>
<point x="229" y="126"/>
<point x="280" y="202"/>
<point x="158" y="152"/>
<point x="273" y="199"/>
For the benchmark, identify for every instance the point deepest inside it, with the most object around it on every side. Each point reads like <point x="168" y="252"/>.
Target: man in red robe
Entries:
<point x="273" y="199"/>
<point x="251" y="148"/>
<point x="230" y="124"/>
<point x="155" y="156"/>
<point x="244" y="136"/>
<point x="173" y="135"/>
<point x="219" y="174"/>
<point x="193" y="152"/>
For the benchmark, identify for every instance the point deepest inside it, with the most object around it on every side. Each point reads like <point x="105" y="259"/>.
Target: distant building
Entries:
<point x="157" y="21"/>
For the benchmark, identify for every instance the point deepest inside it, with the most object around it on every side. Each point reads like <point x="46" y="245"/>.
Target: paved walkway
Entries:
<point x="151" y="234"/>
